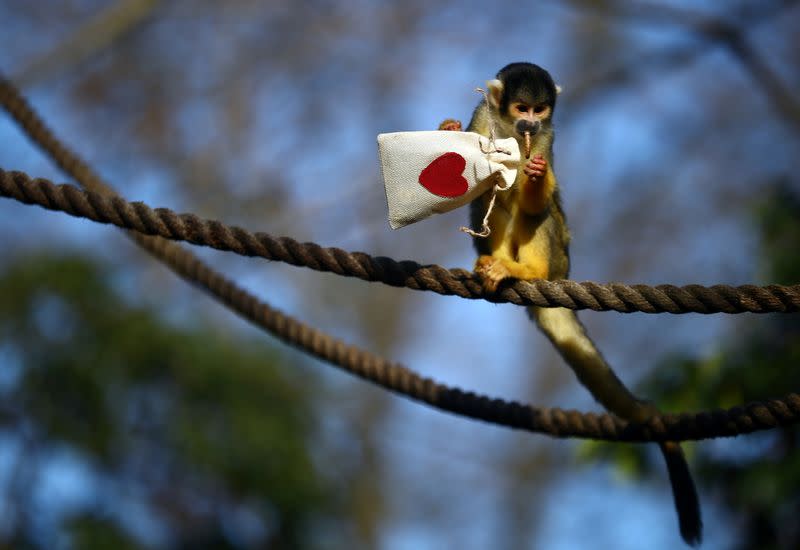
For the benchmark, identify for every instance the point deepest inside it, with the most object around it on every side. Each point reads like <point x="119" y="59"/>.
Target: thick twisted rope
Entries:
<point x="393" y="376"/>
<point x="193" y="229"/>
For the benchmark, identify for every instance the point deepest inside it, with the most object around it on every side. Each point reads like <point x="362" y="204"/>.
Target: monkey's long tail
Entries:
<point x="569" y="337"/>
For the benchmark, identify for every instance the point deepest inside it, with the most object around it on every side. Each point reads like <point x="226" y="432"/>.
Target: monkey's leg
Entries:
<point x="492" y="266"/>
<point x="533" y="258"/>
<point x="500" y="266"/>
<point x="504" y="261"/>
<point x="495" y="269"/>
<point x="507" y="259"/>
<point x="492" y="270"/>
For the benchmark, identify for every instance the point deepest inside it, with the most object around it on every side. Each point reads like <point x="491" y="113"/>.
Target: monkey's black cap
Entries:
<point x="527" y="82"/>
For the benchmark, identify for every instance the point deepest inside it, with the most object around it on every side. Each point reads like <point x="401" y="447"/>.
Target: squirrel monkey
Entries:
<point x="529" y="240"/>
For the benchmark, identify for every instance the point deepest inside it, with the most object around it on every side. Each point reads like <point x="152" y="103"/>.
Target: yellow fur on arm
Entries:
<point x="535" y="195"/>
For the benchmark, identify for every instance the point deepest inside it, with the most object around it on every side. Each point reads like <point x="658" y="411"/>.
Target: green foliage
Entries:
<point x="778" y="218"/>
<point x="90" y="533"/>
<point x="196" y="426"/>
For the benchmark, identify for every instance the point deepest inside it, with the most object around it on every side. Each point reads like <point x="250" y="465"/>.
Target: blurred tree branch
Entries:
<point x="715" y="30"/>
<point x="93" y="36"/>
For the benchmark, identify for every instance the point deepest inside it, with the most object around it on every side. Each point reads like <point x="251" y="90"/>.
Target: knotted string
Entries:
<point x="493" y="148"/>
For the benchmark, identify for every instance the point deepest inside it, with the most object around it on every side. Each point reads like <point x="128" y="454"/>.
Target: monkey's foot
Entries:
<point x="535" y="167"/>
<point x="450" y="125"/>
<point x="492" y="271"/>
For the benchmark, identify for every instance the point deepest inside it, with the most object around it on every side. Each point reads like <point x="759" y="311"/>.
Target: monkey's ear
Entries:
<point x="495" y="92"/>
<point x="558" y="89"/>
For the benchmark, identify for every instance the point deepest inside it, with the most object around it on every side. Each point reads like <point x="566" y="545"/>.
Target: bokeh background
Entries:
<point x="137" y="413"/>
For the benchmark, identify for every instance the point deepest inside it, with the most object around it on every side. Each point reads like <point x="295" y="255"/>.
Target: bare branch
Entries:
<point x="93" y="36"/>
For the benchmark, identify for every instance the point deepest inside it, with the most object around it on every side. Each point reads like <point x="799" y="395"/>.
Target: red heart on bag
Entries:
<point x="443" y="177"/>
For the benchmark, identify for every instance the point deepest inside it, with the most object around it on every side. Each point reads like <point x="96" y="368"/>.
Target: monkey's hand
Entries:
<point x="535" y="168"/>
<point x="492" y="271"/>
<point x="450" y="125"/>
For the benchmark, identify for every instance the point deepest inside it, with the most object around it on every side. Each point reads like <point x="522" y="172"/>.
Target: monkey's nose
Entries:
<point x="524" y="125"/>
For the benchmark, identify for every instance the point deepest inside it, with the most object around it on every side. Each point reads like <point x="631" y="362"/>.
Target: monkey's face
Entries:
<point x="523" y="98"/>
<point x="519" y="111"/>
<point x="528" y="116"/>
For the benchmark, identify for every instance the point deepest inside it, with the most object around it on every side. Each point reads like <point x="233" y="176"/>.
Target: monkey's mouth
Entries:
<point x="527" y="129"/>
<point x="524" y="126"/>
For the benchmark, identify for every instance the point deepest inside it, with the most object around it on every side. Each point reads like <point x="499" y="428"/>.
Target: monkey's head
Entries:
<point x="523" y="97"/>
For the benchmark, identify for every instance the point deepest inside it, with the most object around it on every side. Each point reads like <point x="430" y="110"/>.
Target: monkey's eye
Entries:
<point x="522" y="108"/>
<point x="539" y="109"/>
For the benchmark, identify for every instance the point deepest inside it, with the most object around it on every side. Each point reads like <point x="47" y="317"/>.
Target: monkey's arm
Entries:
<point x="536" y="190"/>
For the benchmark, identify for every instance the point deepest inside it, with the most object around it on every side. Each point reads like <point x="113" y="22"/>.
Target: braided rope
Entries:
<point x="570" y="294"/>
<point x="392" y="376"/>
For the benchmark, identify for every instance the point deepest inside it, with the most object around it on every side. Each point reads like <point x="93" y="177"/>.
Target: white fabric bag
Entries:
<point x="426" y="173"/>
